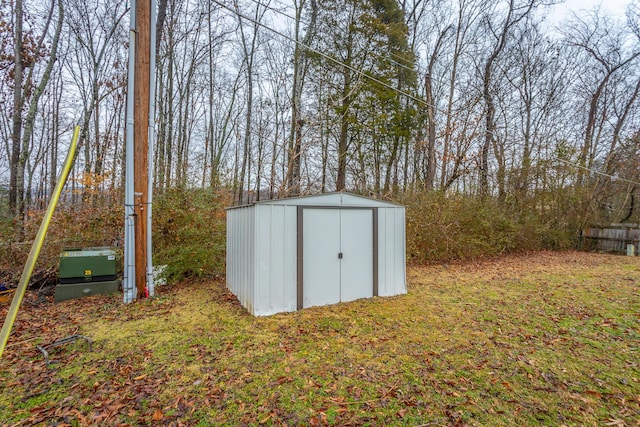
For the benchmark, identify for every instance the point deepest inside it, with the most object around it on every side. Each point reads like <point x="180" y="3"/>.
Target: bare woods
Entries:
<point x="501" y="100"/>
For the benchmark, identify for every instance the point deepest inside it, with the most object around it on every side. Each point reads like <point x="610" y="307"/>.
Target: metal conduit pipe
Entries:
<point x="129" y="282"/>
<point x="152" y="117"/>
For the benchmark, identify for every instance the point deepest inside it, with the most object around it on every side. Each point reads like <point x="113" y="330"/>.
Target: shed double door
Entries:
<point x="337" y="255"/>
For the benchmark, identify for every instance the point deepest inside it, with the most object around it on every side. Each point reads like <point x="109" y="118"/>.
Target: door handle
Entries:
<point x="340" y="255"/>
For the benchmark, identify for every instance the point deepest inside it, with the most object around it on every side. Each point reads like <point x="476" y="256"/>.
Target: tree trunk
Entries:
<point x="300" y="65"/>
<point x="246" y="146"/>
<point x="618" y="128"/>
<point x="487" y="96"/>
<point x="168" y="145"/>
<point x="249" y="53"/>
<point x="55" y="138"/>
<point x="343" y="142"/>
<point x="448" y="131"/>
<point x="590" y="129"/>
<point x="35" y="98"/>
<point x="430" y="173"/>
<point x="16" y="133"/>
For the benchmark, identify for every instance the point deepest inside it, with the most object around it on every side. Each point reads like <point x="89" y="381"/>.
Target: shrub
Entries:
<point x="450" y="227"/>
<point x="189" y="230"/>
<point x="189" y="233"/>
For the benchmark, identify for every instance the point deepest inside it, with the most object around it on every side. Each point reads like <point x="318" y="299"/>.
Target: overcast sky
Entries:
<point x="616" y="7"/>
<point x="560" y="12"/>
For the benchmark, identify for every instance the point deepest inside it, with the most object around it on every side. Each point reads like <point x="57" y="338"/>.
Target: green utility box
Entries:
<point x="85" y="272"/>
<point x="87" y="265"/>
<point x="79" y="290"/>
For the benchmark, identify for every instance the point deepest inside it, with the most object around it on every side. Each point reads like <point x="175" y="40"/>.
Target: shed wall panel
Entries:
<point x="240" y="258"/>
<point x="232" y="241"/>
<point x="277" y="255"/>
<point x="246" y="262"/>
<point x="264" y="255"/>
<point x="275" y="277"/>
<point x="290" y="261"/>
<point x="391" y="252"/>
<point x="383" y="266"/>
<point x="230" y="275"/>
<point x="400" y="252"/>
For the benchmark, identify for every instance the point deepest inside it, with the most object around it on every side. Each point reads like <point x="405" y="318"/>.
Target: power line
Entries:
<point x="373" y="53"/>
<point x="330" y="58"/>
<point x="388" y="58"/>
<point x="615" y="178"/>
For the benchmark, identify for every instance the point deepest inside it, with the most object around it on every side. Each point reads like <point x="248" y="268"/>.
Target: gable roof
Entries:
<point x="326" y="199"/>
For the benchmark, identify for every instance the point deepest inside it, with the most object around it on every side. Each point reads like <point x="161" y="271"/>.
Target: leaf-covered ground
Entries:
<point x="542" y="339"/>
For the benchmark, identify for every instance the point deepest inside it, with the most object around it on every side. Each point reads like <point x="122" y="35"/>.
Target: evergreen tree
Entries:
<point x="366" y="48"/>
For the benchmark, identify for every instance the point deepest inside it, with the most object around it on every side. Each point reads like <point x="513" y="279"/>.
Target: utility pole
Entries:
<point x="138" y="279"/>
<point x="141" y="92"/>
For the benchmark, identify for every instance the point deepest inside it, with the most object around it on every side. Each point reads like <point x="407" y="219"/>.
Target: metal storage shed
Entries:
<point x="288" y="254"/>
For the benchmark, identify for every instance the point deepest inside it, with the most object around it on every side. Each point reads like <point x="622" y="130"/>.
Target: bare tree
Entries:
<point x="35" y="97"/>
<point x="430" y="169"/>
<point x="249" y="44"/>
<point x="300" y="68"/>
<point x="604" y="45"/>
<point x="18" y="102"/>
<point x="96" y="67"/>
<point x="515" y="12"/>
<point x="537" y="78"/>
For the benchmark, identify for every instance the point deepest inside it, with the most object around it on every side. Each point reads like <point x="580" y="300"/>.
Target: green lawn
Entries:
<point x="542" y="339"/>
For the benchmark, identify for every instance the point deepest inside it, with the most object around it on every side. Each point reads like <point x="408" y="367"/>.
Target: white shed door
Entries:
<point x="321" y="265"/>
<point x="337" y="255"/>
<point x="356" y="241"/>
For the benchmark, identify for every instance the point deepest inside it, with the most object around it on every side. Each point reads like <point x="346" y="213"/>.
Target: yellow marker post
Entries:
<point x="37" y="245"/>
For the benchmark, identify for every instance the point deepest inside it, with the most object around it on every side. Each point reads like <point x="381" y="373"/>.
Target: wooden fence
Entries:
<point x="612" y="238"/>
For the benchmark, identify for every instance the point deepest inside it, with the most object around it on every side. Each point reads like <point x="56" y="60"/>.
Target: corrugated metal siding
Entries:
<point x="263" y="259"/>
<point x="241" y="255"/>
<point x="401" y="251"/>
<point x="276" y="247"/>
<point x="391" y="252"/>
<point x="383" y="262"/>
<point x="230" y="276"/>
<point x="290" y="262"/>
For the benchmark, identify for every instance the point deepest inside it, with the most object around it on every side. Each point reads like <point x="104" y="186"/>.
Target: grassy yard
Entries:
<point x="543" y="339"/>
